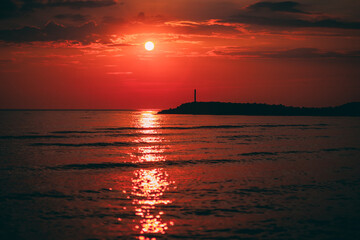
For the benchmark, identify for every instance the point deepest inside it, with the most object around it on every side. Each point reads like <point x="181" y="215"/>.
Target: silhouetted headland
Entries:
<point x="222" y="108"/>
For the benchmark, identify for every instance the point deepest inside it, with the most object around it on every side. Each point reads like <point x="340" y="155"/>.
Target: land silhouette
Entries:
<point x="260" y="109"/>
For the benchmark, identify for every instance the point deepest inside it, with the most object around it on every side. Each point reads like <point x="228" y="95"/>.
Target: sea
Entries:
<point x="141" y="175"/>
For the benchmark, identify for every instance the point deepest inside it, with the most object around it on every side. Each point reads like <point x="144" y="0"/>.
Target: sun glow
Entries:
<point x="149" y="46"/>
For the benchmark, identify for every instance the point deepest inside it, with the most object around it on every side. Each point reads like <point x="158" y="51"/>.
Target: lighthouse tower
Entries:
<point x="194" y="95"/>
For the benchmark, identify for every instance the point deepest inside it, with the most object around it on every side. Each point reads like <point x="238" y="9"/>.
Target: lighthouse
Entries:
<point x="194" y="95"/>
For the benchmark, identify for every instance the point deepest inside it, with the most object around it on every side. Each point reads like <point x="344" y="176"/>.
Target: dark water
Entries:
<point x="126" y="175"/>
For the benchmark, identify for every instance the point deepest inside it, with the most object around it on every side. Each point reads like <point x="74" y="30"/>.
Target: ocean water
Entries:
<point x="139" y="175"/>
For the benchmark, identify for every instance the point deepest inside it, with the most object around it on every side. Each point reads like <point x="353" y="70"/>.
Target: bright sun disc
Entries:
<point x="149" y="46"/>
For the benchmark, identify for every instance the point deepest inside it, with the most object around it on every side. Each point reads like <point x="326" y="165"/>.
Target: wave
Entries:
<point x="299" y="152"/>
<point x="77" y="136"/>
<point x="246" y="137"/>
<point x="258" y="153"/>
<point x="240" y="136"/>
<point x="213" y="127"/>
<point x="48" y="194"/>
<point x="138" y="134"/>
<point x="32" y="136"/>
<point x="110" y="132"/>
<point x="173" y="128"/>
<point x="67" y="132"/>
<point x="110" y="165"/>
<point x="120" y="165"/>
<point x="341" y="149"/>
<point x="94" y="166"/>
<point x="273" y="153"/>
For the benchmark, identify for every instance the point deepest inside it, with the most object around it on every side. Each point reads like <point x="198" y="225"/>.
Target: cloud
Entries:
<point x="7" y="9"/>
<point x="287" y="6"/>
<point x="286" y="15"/>
<point x="142" y="17"/>
<point x="119" y="73"/>
<point x="77" y="4"/>
<point x="289" y="53"/>
<point x="203" y="28"/>
<point x="294" y="22"/>
<point x="52" y="31"/>
<point x="14" y="8"/>
<point x="113" y="20"/>
<point x="73" y="17"/>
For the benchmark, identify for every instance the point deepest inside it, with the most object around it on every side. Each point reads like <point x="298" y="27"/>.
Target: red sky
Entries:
<point x="89" y="54"/>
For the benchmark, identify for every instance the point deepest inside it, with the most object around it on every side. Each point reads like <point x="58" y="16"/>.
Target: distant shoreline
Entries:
<point x="260" y="109"/>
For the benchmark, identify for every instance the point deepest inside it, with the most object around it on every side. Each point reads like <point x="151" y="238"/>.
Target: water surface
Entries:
<point x="139" y="175"/>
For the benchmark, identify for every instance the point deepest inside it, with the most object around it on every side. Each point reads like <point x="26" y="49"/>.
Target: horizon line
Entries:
<point x="68" y="109"/>
<point x="150" y="109"/>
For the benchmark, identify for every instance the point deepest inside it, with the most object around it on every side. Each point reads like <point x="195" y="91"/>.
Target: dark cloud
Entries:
<point x="290" y="53"/>
<point x="113" y="20"/>
<point x="142" y="17"/>
<point x="286" y="15"/>
<point x="52" y="31"/>
<point x="293" y="22"/>
<point x="119" y="45"/>
<point x="13" y="8"/>
<point x="8" y="9"/>
<point x="73" y="17"/>
<point x="287" y="6"/>
<point x="207" y="29"/>
<point x="312" y="53"/>
<point x="32" y="4"/>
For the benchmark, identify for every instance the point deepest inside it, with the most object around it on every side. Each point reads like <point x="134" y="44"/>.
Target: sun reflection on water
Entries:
<point x="148" y="120"/>
<point x="148" y="124"/>
<point x="150" y="185"/>
<point x="148" y="188"/>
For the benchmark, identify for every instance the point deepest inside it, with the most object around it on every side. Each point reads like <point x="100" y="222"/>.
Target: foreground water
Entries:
<point x="135" y="174"/>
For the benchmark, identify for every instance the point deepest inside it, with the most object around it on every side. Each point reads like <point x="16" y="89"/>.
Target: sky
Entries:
<point x="89" y="54"/>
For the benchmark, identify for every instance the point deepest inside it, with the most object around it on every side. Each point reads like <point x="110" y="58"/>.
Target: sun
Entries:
<point x="149" y="46"/>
